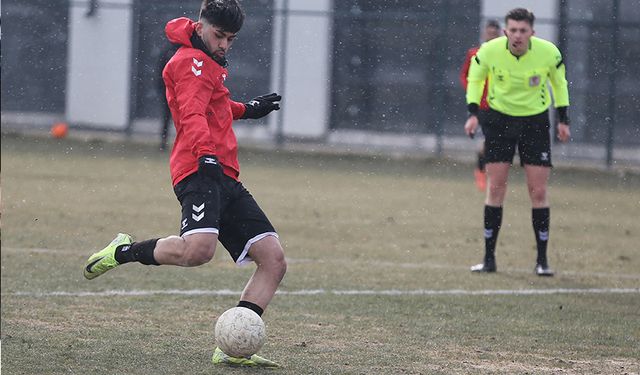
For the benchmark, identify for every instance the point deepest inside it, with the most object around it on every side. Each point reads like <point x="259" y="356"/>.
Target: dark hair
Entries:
<point x="493" y="23"/>
<point x="520" y="14"/>
<point x="225" y="14"/>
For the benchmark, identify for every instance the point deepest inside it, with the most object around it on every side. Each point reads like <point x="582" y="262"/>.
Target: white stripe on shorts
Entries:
<point x="200" y="230"/>
<point x="243" y="258"/>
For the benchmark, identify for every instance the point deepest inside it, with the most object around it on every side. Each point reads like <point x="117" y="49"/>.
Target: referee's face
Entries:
<point x="518" y="33"/>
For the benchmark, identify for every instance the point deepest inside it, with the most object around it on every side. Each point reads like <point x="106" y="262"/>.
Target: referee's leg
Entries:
<point x="537" y="182"/>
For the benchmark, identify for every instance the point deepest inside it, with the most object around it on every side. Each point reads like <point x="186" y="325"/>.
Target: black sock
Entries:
<point x="137" y="252"/>
<point x="492" y="223"/>
<point x="251" y="306"/>
<point x="540" y="220"/>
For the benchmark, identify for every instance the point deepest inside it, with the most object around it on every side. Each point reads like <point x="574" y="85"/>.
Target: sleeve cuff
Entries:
<point x="473" y="108"/>
<point x="563" y="115"/>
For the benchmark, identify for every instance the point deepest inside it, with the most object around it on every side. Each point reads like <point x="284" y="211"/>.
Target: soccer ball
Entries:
<point x="240" y="332"/>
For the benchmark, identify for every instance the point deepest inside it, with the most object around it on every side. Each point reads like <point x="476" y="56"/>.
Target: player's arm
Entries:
<point x="261" y="106"/>
<point x="194" y="87"/>
<point x="237" y="109"/>
<point x="464" y="71"/>
<point x="560" y="89"/>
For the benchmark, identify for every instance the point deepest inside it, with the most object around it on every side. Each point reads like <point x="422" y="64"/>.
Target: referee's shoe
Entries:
<point x="543" y="270"/>
<point x="486" y="267"/>
<point x="105" y="259"/>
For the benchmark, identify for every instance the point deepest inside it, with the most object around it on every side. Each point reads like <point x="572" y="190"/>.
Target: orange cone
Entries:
<point x="59" y="130"/>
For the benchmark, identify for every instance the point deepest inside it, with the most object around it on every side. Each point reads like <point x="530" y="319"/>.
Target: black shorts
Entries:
<point x="483" y="115"/>
<point x="225" y="208"/>
<point x="529" y="133"/>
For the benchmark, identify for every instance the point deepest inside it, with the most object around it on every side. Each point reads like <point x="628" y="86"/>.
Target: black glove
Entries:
<point x="261" y="106"/>
<point x="208" y="166"/>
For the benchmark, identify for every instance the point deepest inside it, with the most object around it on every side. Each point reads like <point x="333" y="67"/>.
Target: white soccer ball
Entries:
<point x="240" y="332"/>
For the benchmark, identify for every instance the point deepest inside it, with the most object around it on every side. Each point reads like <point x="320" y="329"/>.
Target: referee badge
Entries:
<point x="534" y="80"/>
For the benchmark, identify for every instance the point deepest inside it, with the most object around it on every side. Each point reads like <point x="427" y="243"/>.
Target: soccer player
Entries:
<point x="518" y="67"/>
<point x="204" y="169"/>
<point x="491" y="31"/>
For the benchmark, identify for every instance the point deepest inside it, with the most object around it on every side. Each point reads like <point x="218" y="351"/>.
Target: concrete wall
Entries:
<point x="99" y="64"/>
<point x="546" y="12"/>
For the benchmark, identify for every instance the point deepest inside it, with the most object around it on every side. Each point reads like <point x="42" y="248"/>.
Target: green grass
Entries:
<point x="347" y="223"/>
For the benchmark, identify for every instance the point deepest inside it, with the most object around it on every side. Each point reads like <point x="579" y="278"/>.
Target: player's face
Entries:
<point x="490" y="32"/>
<point x="518" y="33"/>
<point x="215" y="39"/>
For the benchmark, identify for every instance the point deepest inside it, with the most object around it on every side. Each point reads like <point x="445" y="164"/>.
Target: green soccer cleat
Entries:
<point x="104" y="260"/>
<point x="219" y="358"/>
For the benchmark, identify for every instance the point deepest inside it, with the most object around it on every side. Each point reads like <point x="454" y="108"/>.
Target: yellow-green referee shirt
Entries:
<point x="518" y="85"/>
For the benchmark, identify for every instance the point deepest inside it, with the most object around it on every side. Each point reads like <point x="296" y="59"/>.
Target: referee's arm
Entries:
<point x="475" y="87"/>
<point x="560" y="88"/>
<point x="475" y="83"/>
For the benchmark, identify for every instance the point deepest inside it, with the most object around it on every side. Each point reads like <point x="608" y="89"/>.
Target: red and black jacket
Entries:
<point x="200" y="105"/>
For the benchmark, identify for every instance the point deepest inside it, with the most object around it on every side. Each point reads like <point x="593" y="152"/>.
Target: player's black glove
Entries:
<point x="262" y="106"/>
<point x="208" y="166"/>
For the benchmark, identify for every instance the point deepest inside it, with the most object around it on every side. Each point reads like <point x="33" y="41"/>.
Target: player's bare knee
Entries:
<point x="278" y="263"/>
<point x="269" y="255"/>
<point x="198" y="254"/>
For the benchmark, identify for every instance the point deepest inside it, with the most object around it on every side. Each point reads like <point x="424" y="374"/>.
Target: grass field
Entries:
<point x="378" y="279"/>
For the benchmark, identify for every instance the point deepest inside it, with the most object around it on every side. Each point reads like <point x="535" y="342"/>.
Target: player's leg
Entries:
<point x="480" y="172"/>
<point x="200" y="200"/>
<point x="186" y="251"/>
<point x="271" y="266"/>
<point x="245" y="231"/>
<point x="248" y="235"/>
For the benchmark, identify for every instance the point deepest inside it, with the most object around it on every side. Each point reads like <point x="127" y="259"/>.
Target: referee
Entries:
<point x="518" y="66"/>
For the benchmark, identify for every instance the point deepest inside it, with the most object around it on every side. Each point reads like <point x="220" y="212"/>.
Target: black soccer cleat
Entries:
<point x="486" y="267"/>
<point x="543" y="270"/>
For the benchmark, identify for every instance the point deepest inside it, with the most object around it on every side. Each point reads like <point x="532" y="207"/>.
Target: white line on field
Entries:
<point x="315" y="292"/>
<point x="377" y="263"/>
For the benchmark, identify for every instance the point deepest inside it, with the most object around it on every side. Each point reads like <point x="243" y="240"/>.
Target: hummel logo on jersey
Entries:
<point x="224" y="77"/>
<point x="197" y="64"/>
<point x="488" y="233"/>
<point x="197" y="210"/>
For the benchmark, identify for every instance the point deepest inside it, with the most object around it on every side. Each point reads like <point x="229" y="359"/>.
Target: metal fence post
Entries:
<point x="613" y="70"/>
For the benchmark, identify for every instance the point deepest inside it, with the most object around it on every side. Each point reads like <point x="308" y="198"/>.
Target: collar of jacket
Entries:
<point x="197" y="42"/>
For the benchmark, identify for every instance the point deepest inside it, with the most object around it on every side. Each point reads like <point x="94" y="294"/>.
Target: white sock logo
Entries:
<point x="543" y="235"/>
<point x="488" y="233"/>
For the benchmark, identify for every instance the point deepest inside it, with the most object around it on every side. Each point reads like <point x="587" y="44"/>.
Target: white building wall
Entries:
<point x="546" y="12"/>
<point x="99" y="58"/>
<point x="306" y="82"/>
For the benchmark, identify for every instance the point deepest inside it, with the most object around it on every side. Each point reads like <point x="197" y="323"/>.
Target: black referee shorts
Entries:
<point x="530" y="134"/>
<point x="225" y="208"/>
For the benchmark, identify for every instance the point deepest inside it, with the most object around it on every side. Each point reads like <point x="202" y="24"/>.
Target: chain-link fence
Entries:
<point x="394" y="65"/>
